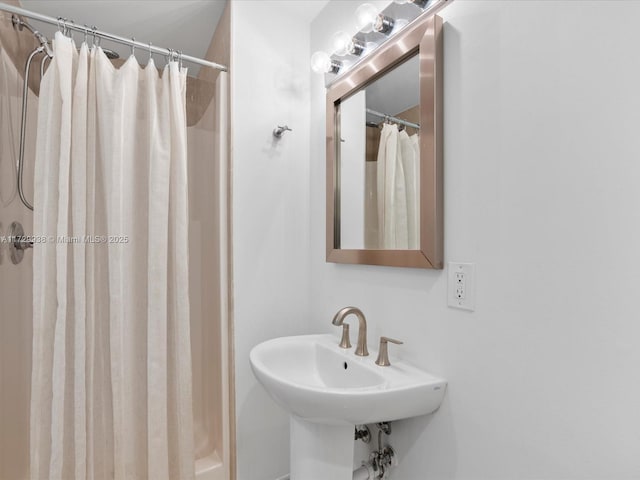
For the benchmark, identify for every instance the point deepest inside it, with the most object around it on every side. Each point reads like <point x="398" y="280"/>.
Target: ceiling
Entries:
<point x="185" y="25"/>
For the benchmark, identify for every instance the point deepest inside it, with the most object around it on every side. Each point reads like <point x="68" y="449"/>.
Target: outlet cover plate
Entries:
<point x="461" y="289"/>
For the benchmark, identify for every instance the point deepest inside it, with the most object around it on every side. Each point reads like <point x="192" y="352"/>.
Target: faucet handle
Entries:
<point x="383" y="352"/>
<point x="345" y="342"/>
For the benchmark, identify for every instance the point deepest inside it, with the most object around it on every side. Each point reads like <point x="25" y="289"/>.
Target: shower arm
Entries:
<point x="20" y="24"/>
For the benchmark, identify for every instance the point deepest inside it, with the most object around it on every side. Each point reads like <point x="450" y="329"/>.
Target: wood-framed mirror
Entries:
<point x="384" y="154"/>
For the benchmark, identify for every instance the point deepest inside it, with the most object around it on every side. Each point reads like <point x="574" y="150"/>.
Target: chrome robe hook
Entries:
<point x="279" y="131"/>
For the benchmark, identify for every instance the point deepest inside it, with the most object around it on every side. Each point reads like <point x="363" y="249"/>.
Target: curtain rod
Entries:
<point x="109" y="36"/>
<point x="393" y="119"/>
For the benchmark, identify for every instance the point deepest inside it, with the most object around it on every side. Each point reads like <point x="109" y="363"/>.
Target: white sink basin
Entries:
<point x="316" y="380"/>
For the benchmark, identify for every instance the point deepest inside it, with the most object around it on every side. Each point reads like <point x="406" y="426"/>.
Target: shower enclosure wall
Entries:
<point x="207" y="137"/>
<point x="15" y="280"/>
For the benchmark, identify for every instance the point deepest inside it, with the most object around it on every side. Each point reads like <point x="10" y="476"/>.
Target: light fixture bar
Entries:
<point x="430" y="7"/>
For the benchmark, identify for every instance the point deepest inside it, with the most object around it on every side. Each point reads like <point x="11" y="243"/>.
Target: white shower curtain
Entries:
<point x="111" y="381"/>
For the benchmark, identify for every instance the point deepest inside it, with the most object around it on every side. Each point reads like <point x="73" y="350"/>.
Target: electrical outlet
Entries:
<point x="461" y="286"/>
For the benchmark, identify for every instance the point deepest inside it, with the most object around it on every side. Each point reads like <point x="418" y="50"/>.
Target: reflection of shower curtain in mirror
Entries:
<point x="398" y="193"/>
<point x="410" y="154"/>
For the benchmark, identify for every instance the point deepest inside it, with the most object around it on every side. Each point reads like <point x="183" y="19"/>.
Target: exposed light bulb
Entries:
<point x="321" y="62"/>
<point x="344" y="44"/>
<point x="366" y="15"/>
<point x="341" y="42"/>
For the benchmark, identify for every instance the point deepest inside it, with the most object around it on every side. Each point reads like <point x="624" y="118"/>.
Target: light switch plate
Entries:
<point x="461" y="291"/>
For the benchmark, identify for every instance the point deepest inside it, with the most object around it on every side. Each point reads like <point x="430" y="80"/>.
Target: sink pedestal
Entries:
<point x="320" y="452"/>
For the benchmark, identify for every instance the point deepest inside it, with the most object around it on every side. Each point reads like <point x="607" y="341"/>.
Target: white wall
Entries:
<point x="270" y="87"/>
<point x="542" y="175"/>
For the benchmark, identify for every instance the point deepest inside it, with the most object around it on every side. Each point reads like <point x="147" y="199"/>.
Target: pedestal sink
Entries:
<point x="328" y="390"/>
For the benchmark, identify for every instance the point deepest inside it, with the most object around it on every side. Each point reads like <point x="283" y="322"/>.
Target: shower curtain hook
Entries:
<point x="96" y="38"/>
<point x="60" y="25"/>
<point x="149" y="53"/>
<point x="133" y="46"/>
<point x="86" y="33"/>
<point x="180" y="59"/>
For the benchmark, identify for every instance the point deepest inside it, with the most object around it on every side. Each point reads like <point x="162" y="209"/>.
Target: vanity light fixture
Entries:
<point x="321" y="62"/>
<point x="370" y="21"/>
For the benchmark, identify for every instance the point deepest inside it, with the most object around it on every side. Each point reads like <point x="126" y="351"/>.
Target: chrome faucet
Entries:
<point x="361" y="347"/>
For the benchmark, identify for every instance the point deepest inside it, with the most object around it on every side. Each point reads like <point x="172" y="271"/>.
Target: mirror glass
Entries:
<point x="379" y="162"/>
